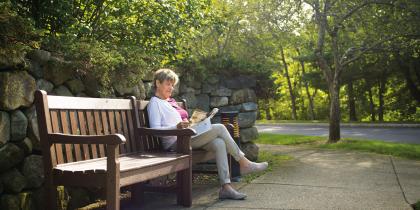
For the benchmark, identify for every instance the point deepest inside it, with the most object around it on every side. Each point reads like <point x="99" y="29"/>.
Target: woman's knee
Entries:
<point x="217" y="144"/>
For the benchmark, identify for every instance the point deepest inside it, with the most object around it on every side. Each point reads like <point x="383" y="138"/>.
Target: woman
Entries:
<point x="164" y="113"/>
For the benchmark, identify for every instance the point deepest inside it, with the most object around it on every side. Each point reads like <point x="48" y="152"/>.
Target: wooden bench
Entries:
<point x="95" y="142"/>
<point x="152" y="143"/>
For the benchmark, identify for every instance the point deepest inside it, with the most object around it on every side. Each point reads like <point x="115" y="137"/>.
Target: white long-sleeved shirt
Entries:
<point x="163" y="116"/>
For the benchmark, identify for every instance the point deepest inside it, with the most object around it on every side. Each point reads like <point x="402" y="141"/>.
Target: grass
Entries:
<point x="409" y="151"/>
<point x="274" y="160"/>
<point x="416" y="206"/>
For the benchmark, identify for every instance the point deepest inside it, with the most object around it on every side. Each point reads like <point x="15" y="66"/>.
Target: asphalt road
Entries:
<point x="390" y="134"/>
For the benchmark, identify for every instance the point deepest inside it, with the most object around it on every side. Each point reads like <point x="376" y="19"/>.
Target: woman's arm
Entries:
<point x="156" y="116"/>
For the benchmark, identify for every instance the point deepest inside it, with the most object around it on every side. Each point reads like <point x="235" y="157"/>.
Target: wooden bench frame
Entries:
<point x="95" y="142"/>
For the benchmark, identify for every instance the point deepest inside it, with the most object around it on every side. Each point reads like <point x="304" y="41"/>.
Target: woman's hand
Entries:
<point x="183" y="124"/>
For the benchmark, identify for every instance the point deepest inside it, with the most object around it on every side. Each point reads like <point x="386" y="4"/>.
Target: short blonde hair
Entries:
<point x="165" y="74"/>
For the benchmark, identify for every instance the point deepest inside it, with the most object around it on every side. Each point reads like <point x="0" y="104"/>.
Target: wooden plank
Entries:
<point x="130" y="123"/>
<point x="99" y="131"/>
<point x="56" y="129"/>
<point x="119" y="128"/>
<point x="85" y="103"/>
<point x="65" y="125"/>
<point x="83" y="131"/>
<point x="91" y="128"/>
<point x="126" y="133"/>
<point x="75" y="130"/>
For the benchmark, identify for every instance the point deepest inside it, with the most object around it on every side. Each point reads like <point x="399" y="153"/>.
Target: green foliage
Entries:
<point x="17" y="35"/>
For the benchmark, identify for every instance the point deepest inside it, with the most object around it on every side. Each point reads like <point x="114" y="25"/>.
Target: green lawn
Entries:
<point x="410" y="151"/>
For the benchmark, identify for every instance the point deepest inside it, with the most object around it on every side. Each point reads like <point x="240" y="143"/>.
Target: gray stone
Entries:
<point x="33" y="132"/>
<point x="4" y="128"/>
<point x="192" y="82"/>
<point x="183" y="88"/>
<point x="240" y="82"/>
<point x="208" y="88"/>
<point x="216" y="119"/>
<point x="230" y="108"/>
<point x="18" y="126"/>
<point x="40" y="56"/>
<point x="251" y="150"/>
<point x="176" y="90"/>
<point x="219" y="101"/>
<point x="221" y="91"/>
<point x="36" y="69"/>
<point x="43" y="84"/>
<point x="1" y="188"/>
<point x="92" y="85"/>
<point x="82" y="94"/>
<point x="33" y="171"/>
<point x="58" y="71"/>
<point x="242" y="96"/>
<point x="142" y="91"/>
<point x="26" y="146"/>
<point x="10" y="155"/>
<point x="13" y="181"/>
<point x="16" y="90"/>
<point x="148" y="89"/>
<point x="62" y="91"/>
<point x="203" y="102"/>
<point x="248" y="134"/>
<point x="75" y="86"/>
<point x="10" y="202"/>
<point x="191" y="100"/>
<point x="249" y="106"/>
<point x="124" y="87"/>
<point x="212" y="79"/>
<point x="247" y="119"/>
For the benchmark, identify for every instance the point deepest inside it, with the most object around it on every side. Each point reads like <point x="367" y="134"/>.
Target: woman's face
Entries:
<point x="164" y="89"/>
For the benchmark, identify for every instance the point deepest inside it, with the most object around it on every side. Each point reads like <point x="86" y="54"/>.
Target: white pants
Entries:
<point x="219" y="141"/>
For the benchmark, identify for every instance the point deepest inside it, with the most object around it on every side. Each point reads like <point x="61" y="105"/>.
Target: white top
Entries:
<point x="163" y="116"/>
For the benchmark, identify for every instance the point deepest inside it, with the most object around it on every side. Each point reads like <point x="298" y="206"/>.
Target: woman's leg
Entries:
<point x="218" y="131"/>
<point x="218" y="146"/>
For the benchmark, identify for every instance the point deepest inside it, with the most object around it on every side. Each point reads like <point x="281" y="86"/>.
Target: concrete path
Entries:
<point x="317" y="179"/>
<point x="398" y="133"/>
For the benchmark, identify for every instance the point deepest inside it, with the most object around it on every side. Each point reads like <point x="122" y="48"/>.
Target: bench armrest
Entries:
<point x="112" y="139"/>
<point x="161" y="132"/>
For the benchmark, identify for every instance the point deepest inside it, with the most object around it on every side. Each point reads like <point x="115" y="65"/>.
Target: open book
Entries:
<point x="200" y="120"/>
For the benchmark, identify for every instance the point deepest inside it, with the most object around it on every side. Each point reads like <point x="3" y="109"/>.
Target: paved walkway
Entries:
<point x="317" y="179"/>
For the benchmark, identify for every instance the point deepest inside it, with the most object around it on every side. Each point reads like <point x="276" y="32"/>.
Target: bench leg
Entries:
<point x="51" y="196"/>
<point x="184" y="185"/>
<point x="113" y="193"/>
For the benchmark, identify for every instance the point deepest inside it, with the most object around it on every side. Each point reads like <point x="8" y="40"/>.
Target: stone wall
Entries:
<point x="21" y="171"/>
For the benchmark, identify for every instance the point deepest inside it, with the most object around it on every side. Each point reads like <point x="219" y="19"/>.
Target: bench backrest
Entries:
<point x="83" y="116"/>
<point x="150" y="143"/>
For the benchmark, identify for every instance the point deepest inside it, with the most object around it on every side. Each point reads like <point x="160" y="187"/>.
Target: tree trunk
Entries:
<point x="334" y="88"/>
<point x="292" y="95"/>
<point x="352" y="102"/>
<point x="372" y="105"/>
<point x="382" y="89"/>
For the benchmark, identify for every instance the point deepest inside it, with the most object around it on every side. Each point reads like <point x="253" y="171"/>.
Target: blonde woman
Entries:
<point x="164" y="113"/>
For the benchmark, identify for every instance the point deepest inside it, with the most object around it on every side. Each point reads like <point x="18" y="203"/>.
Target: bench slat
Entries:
<point x="128" y="162"/>
<point x="75" y="131"/>
<point x="83" y="131"/>
<point x="119" y="129"/>
<point x="56" y="129"/>
<point x="130" y="124"/>
<point x="65" y="126"/>
<point x="125" y="131"/>
<point x="99" y="131"/>
<point x="91" y="130"/>
<point x="64" y="102"/>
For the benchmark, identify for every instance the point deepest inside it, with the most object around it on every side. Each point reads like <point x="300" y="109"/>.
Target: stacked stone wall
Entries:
<point x="21" y="168"/>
